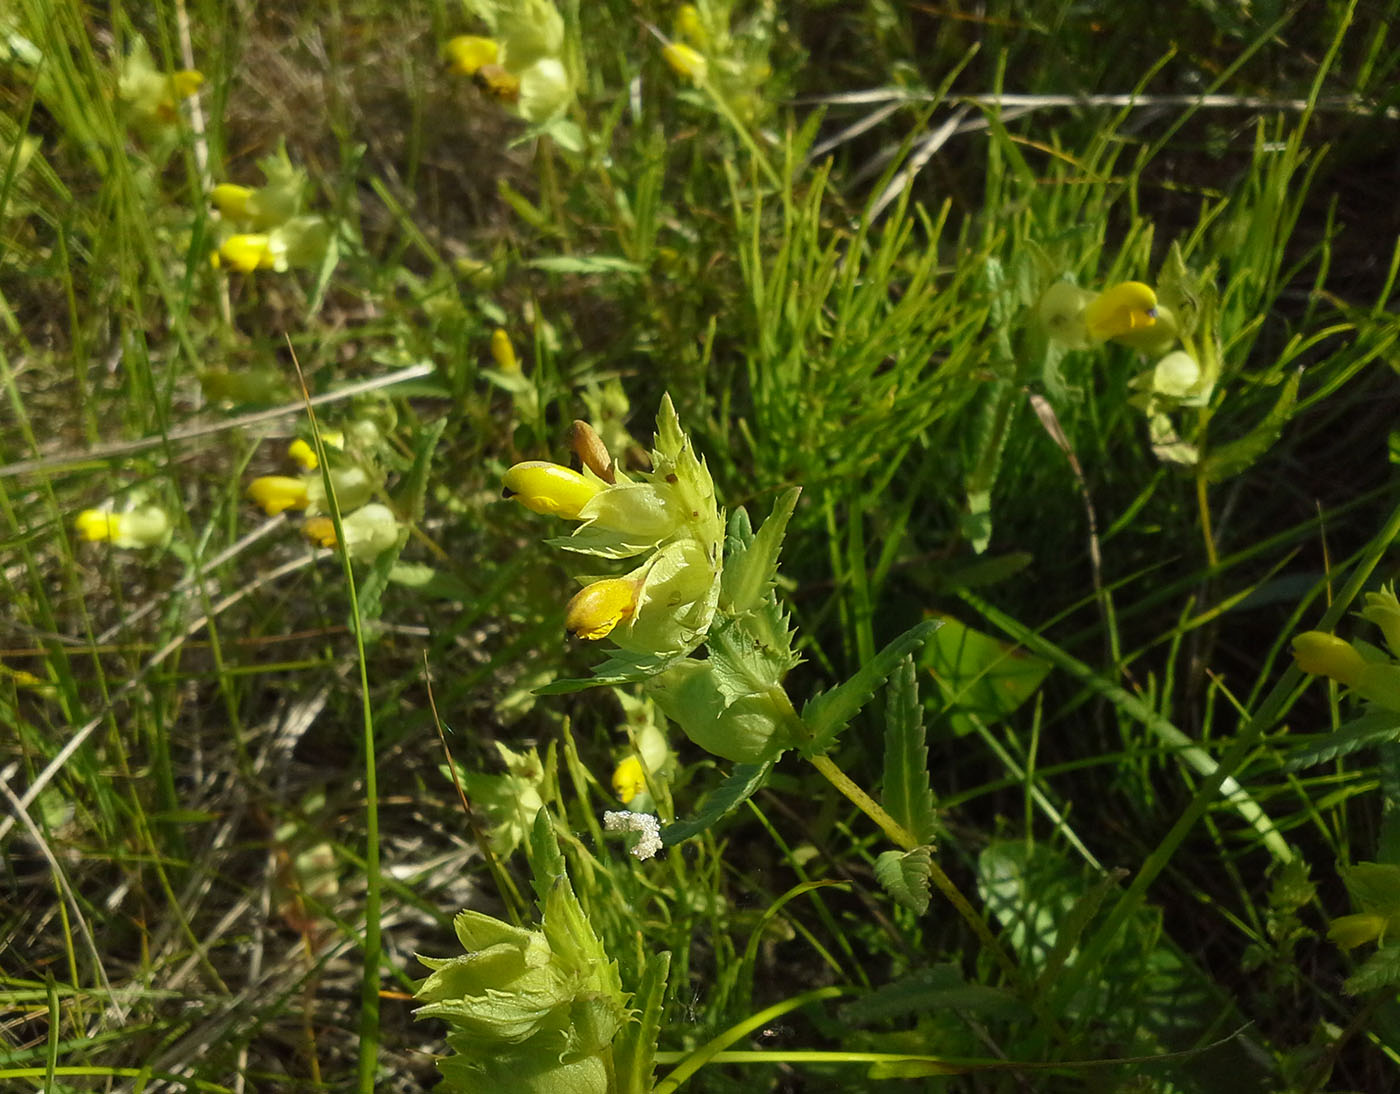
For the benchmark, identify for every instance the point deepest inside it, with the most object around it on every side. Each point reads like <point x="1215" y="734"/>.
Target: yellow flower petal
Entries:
<point x="246" y="253"/>
<point x="319" y="530"/>
<point x="596" y="609"/>
<point x="502" y="352"/>
<point x="467" y="54"/>
<point x="231" y="200"/>
<point x="96" y="525"/>
<point x="186" y="82"/>
<point x="629" y="779"/>
<point x="1121" y="309"/>
<point x="549" y="488"/>
<point x="276" y="493"/>
<point x="304" y="455"/>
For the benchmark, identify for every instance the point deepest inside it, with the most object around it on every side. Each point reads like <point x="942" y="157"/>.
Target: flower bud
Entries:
<point x="685" y="61"/>
<point x="597" y="608"/>
<point x="502" y="352"/>
<point x="276" y="493"/>
<point x="231" y="200"/>
<point x="549" y="488"/>
<point x="1321" y="654"/>
<point x="591" y="451"/>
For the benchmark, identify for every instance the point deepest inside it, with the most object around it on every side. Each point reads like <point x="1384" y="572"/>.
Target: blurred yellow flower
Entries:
<point x="1321" y="654"/>
<point x="502" y="352"/>
<point x="1119" y="310"/>
<point x="231" y="200"/>
<point x="303" y="454"/>
<point x="146" y="526"/>
<point x="467" y="54"/>
<point x="629" y="779"/>
<point x="276" y="493"/>
<point x="685" y="61"/>
<point x="251" y="251"/>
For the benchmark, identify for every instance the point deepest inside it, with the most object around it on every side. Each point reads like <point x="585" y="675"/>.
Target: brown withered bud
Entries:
<point x="591" y="451"/>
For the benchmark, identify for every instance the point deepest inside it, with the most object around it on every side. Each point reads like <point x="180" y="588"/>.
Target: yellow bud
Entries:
<point x="591" y="451"/>
<point x="1121" y="309"/>
<point x="467" y="54"/>
<point x="549" y="488"/>
<point x="276" y="493"/>
<point x="596" y="609"/>
<point x="248" y="252"/>
<point x="1323" y="654"/>
<point x="304" y="455"/>
<point x="231" y="200"/>
<point x="629" y="779"/>
<point x="502" y="352"/>
<point x="685" y="61"/>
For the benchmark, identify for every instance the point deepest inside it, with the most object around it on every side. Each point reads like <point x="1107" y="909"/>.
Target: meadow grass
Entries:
<point x="1095" y="829"/>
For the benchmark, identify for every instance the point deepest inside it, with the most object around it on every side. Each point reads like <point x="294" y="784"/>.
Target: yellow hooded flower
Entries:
<point x="304" y="455"/>
<point x="276" y="493"/>
<point x="231" y="200"/>
<point x="251" y="251"/>
<point x="468" y="54"/>
<point x="549" y="488"/>
<point x="685" y="61"/>
<point x="629" y="779"/>
<point x="502" y="352"/>
<point x="1322" y="654"/>
<point x="597" y="608"/>
<point x="1119" y="310"/>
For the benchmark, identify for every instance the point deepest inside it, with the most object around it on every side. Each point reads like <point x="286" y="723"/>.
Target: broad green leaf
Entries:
<point x="743" y="782"/>
<point x="907" y="795"/>
<point x="1381" y="970"/>
<point x="829" y="713"/>
<point x="979" y="676"/>
<point x="905" y="876"/>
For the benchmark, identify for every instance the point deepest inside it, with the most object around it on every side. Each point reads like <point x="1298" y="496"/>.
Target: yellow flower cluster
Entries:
<point x="265" y="227"/>
<point x="664" y="606"/>
<point x="370" y="528"/>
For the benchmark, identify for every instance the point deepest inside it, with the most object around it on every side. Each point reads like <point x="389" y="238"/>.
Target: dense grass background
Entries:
<point x="205" y="860"/>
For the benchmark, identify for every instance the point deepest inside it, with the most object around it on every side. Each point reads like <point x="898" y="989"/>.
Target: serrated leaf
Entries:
<point x="908" y="796"/>
<point x="940" y="987"/>
<point x="829" y="713"/>
<point x="743" y="782"/>
<point x="1381" y="970"/>
<point x="752" y="566"/>
<point x="1376" y="727"/>
<point x="1228" y="460"/>
<point x="905" y="876"/>
<point x="634" y="1050"/>
<point x="742" y="664"/>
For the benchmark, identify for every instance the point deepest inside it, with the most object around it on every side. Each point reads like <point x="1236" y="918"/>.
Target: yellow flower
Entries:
<point x="186" y="82"/>
<point x="502" y="352"/>
<point x="319" y="530"/>
<point x="231" y="200"/>
<point x="1321" y="654"/>
<point x="1122" y="309"/>
<point x="251" y="251"/>
<point x="276" y="493"/>
<point x="685" y="61"/>
<point x="629" y="779"/>
<point x="304" y="455"/>
<point x="549" y="488"/>
<point x="690" y="26"/>
<point x="468" y="54"/>
<point x="147" y="526"/>
<point x="596" y="609"/>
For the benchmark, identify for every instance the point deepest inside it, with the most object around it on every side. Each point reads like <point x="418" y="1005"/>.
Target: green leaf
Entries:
<point x="980" y="677"/>
<point x="829" y="713"/>
<point x="905" y="876"/>
<point x="1376" y="727"/>
<point x="742" y="663"/>
<point x="743" y="782"/>
<point x="940" y="987"/>
<point x="634" y="1051"/>
<point x="1381" y="970"/>
<point x="752" y="562"/>
<point x="621" y="667"/>
<point x="907" y="795"/>
<point x="585" y="264"/>
<point x="1228" y="460"/>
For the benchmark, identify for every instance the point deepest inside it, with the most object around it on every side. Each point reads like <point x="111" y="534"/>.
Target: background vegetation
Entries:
<point x="226" y="794"/>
